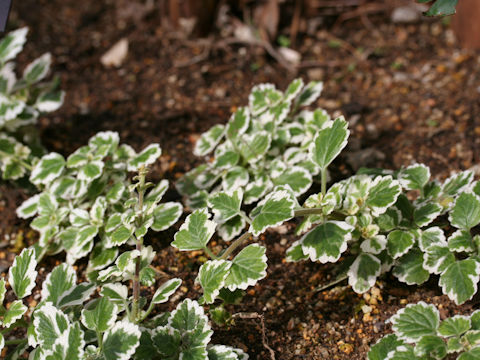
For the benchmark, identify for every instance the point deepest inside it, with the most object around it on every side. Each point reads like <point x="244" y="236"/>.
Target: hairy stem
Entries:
<point x="209" y="252"/>
<point x="324" y="180"/>
<point x="235" y="245"/>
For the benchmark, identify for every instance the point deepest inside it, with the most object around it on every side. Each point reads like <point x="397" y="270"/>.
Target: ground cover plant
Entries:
<point x="420" y="334"/>
<point x="22" y="100"/>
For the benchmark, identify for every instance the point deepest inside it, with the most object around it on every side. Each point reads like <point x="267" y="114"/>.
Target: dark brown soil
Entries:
<point x="413" y="96"/>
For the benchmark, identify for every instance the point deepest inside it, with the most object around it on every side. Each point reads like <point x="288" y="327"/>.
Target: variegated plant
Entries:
<point x="420" y="334"/>
<point x="21" y="102"/>
<point x="88" y="197"/>
<point x="66" y="324"/>
<point x="262" y="146"/>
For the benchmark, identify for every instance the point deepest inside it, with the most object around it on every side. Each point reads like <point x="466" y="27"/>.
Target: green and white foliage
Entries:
<point x="86" y="206"/>
<point x="420" y="334"/>
<point x="22" y="99"/>
<point x="263" y="145"/>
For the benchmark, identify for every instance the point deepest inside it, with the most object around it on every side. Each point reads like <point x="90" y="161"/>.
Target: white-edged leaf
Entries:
<point x="195" y="232"/>
<point x="22" y="273"/>
<point x="37" y="69"/>
<point x="254" y="146"/>
<point x="235" y="178"/>
<point x="431" y="236"/>
<point x="209" y="140"/>
<point x="461" y="241"/>
<point x="399" y="242"/>
<point x="70" y="345"/>
<point x="248" y="267"/>
<point x="374" y="245"/>
<point x="28" y="207"/>
<point x="329" y="142"/>
<point x="231" y="228"/>
<point x="115" y="292"/>
<point x="51" y="101"/>
<point x="431" y="347"/>
<point x="363" y="272"/>
<point x="146" y="157"/>
<point x="163" y="293"/>
<point x="278" y="208"/>
<point x="225" y="205"/>
<point x="298" y="178"/>
<point x="295" y="253"/>
<point x="425" y="213"/>
<point x="60" y="280"/>
<point x="120" y="341"/>
<point x="327" y="241"/>
<point x="415" y="321"/>
<point x="47" y="169"/>
<point x="472" y="354"/>
<point x="409" y="268"/>
<point x="165" y="215"/>
<point x="382" y="194"/>
<point x="14" y="312"/>
<point x="437" y="258"/>
<point x="310" y="93"/>
<point x="466" y="211"/>
<point x="211" y="277"/>
<point x="102" y="317"/>
<point x="456" y="183"/>
<point x="91" y="171"/>
<point x="76" y="295"/>
<point x="49" y="323"/>
<point x="459" y="280"/>
<point x="12" y="44"/>
<point x="101" y="257"/>
<point x="414" y="177"/>
<point x="238" y="123"/>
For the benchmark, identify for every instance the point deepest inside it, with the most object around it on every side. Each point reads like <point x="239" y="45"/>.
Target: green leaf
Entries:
<point x="195" y="232"/>
<point x="295" y="252"/>
<point x="456" y="183"/>
<point x="414" y="177"/>
<point x="442" y="8"/>
<point x="225" y="205"/>
<point x="22" y="273"/>
<point x="459" y="280"/>
<point x="415" y="321"/>
<point x="211" y="277"/>
<point x="382" y="194"/>
<point x="278" y="208"/>
<point x="49" y="323"/>
<point x="166" y="290"/>
<point x="231" y="228"/>
<point x="38" y="69"/>
<point x="374" y="245"/>
<point x="165" y="215"/>
<point x="226" y="160"/>
<point x="454" y="345"/>
<point x="363" y="272"/>
<point x="120" y="341"/>
<point x="472" y="354"/>
<point x="147" y="276"/>
<point x="409" y="268"/>
<point x="461" y="241"/>
<point x="254" y="146"/>
<point x="115" y="292"/>
<point x="293" y="89"/>
<point x="60" y="280"/>
<point x="383" y="347"/>
<point x="91" y="171"/>
<point x="119" y="236"/>
<point x="455" y="326"/>
<point x="256" y="189"/>
<point x="262" y="97"/>
<point x="209" y="140"/>
<point x="12" y="44"/>
<point x="466" y="211"/>
<point x="238" y="123"/>
<point x="327" y="241"/>
<point x="389" y="220"/>
<point x="471" y="338"/>
<point x="114" y="194"/>
<point x="47" y="169"/>
<point x="3" y="290"/>
<point x="399" y="242"/>
<point x="329" y="142"/>
<point x="425" y="213"/>
<point x="298" y="178"/>
<point x="437" y="258"/>
<point x="102" y="317"/>
<point x="100" y="257"/>
<point x="14" y="312"/>
<point x="222" y="352"/>
<point x="431" y="346"/>
<point x="167" y="342"/>
<point x="146" y="157"/>
<point x="475" y="319"/>
<point x="51" y="101"/>
<point x="247" y="268"/>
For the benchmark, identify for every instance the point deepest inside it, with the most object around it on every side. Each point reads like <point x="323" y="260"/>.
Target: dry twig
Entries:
<point x="255" y="315"/>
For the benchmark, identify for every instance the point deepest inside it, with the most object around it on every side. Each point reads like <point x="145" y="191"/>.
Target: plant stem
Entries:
<point x="235" y="245"/>
<point x="13" y="341"/>
<point x="324" y="181"/>
<point x="22" y="162"/>
<point x="142" y="172"/>
<point x="209" y="252"/>
<point x="334" y="282"/>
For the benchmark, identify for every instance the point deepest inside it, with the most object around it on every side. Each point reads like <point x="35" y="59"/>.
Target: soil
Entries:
<point x="409" y="92"/>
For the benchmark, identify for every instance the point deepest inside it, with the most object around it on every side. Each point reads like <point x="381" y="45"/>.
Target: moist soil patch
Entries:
<point x="409" y="92"/>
